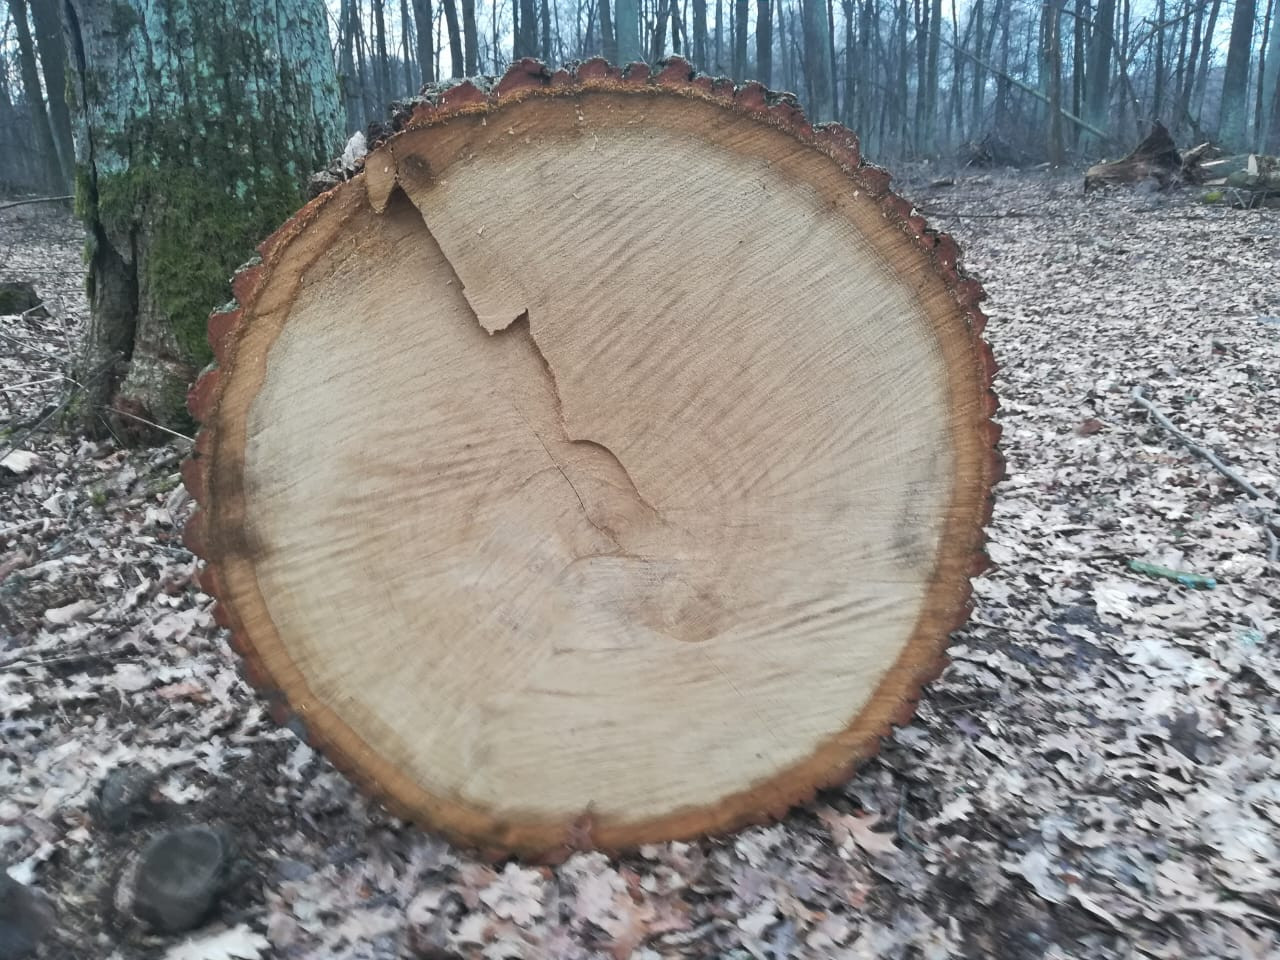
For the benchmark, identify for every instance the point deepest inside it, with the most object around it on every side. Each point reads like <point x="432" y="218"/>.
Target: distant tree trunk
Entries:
<point x="172" y="207"/>
<point x="741" y="9"/>
<point x="1179" y="69"/>
<point x="53" y="61"/>
<point x="627" y="27"/>
<point x="1259" y="123"/>
<point x="764" y="41"/>
<point x="406" y="45"/>
<point x="719" y="64"/>
<point x="931" y="99"/>
<point x="1053" y="60"/>
<point x="381" y="65"/>
<point x="1183" y="108"/>
<point x="865" y="20"/>
<point x="788" y="72"/>
<point x="677" y="40"/>
<point x="1232" y="129"/>
<point x="422" y="18"/>
<point x="1098" y="72"/>
<point x="471" y="40"/>
<point x="1079" y="45"/>
<point x="1269" y="136"/>
<point x="545" y="17"/>
<point x="35" y="99"/>
<point x="457" y="60"/>
<point x="351" y="100"/>
<point x="832" y="61"/>
<point x="1206" y="56"/>
<point x="700" y="35"/>
<point x="1157" y="93"/>
<point x="608" y="39"/>
<point x="1002" y="82"/>
<point x="817" y="58"/>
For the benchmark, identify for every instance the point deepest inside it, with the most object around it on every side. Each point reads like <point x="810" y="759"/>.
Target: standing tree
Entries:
<point x="31" y="86"/>
<point x="817" y="58"/>
<point x="627" y="27"/>
<point x="426" y="56"/>
<point x="53" y="64"/>
<point x="1235" y="79"/>
<point x="179" y="173"/>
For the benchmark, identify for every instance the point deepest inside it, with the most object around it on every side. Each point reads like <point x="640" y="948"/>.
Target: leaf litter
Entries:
<point x="1097" y="774"/>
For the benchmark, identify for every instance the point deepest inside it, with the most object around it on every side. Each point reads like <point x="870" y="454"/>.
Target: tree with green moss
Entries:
<point x="197" y="125"/>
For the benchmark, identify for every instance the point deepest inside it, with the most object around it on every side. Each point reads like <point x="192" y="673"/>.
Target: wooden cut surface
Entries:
<point x="599" y="468"/>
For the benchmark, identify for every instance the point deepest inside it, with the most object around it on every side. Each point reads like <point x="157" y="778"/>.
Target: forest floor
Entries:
<point x="1097" y="774"/>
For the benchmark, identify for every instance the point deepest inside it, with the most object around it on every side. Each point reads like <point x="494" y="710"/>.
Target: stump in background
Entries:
<point x="606" y="464"/>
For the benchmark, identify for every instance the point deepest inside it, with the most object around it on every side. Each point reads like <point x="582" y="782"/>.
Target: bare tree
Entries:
<point x="426" y="56"/>
<point x="34" y="94"/>
<point x="1233" y="126"/>
<point x="764" y="41"/>
<point x="817" y="58"/>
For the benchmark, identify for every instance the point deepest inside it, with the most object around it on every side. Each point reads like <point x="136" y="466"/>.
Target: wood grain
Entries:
<point x="606" y="464"/>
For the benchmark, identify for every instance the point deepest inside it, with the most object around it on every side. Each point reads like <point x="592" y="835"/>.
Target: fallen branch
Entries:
<point x="1269" y="524"/>
<point x="30" y="200"/>
<point x="1082" y="124"/>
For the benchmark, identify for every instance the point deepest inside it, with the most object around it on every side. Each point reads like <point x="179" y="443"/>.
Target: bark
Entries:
<point x="545" y="17"/>
<point x="422" y="19"/>
<point x="53" y="61"/>
<point x="1232" y="129"/>
<point x="31" y="87"/>
<point x="181" y="174"/>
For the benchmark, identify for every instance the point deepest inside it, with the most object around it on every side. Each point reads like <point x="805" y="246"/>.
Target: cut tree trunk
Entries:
<point x="606" y="464"/>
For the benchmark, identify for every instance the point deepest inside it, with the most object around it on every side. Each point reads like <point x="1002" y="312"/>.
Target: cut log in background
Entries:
<point x="606" y="464"/>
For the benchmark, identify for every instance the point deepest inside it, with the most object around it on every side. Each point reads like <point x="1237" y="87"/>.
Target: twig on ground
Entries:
<point x="150" y="423"/>
<point x="30" y="200"/>
<point x="62" y="405"/>
<point x="1268" y="523"/>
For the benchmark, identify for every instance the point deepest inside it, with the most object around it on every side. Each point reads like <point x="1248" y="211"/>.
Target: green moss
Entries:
<point x="98" y="497"/>
<point x="1212" y="196"/>
<point x="197" y="231"/>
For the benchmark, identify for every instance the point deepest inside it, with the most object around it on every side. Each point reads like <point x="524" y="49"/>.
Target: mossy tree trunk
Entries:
<point x="197" y="124"/>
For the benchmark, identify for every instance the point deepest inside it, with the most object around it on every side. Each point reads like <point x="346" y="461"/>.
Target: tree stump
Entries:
<point x="606" y="464"/>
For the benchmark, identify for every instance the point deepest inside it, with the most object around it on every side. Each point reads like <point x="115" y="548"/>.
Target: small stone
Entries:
<point x="180" y="876"/>
<point x="124" y="796"/>
<point x="25" y="917"/>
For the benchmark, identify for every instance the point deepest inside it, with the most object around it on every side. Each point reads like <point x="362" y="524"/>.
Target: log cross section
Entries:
<point x="606" y="464"/>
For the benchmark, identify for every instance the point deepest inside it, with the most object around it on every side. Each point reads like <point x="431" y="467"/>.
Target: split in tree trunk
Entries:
<point x="557" y="525"/>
